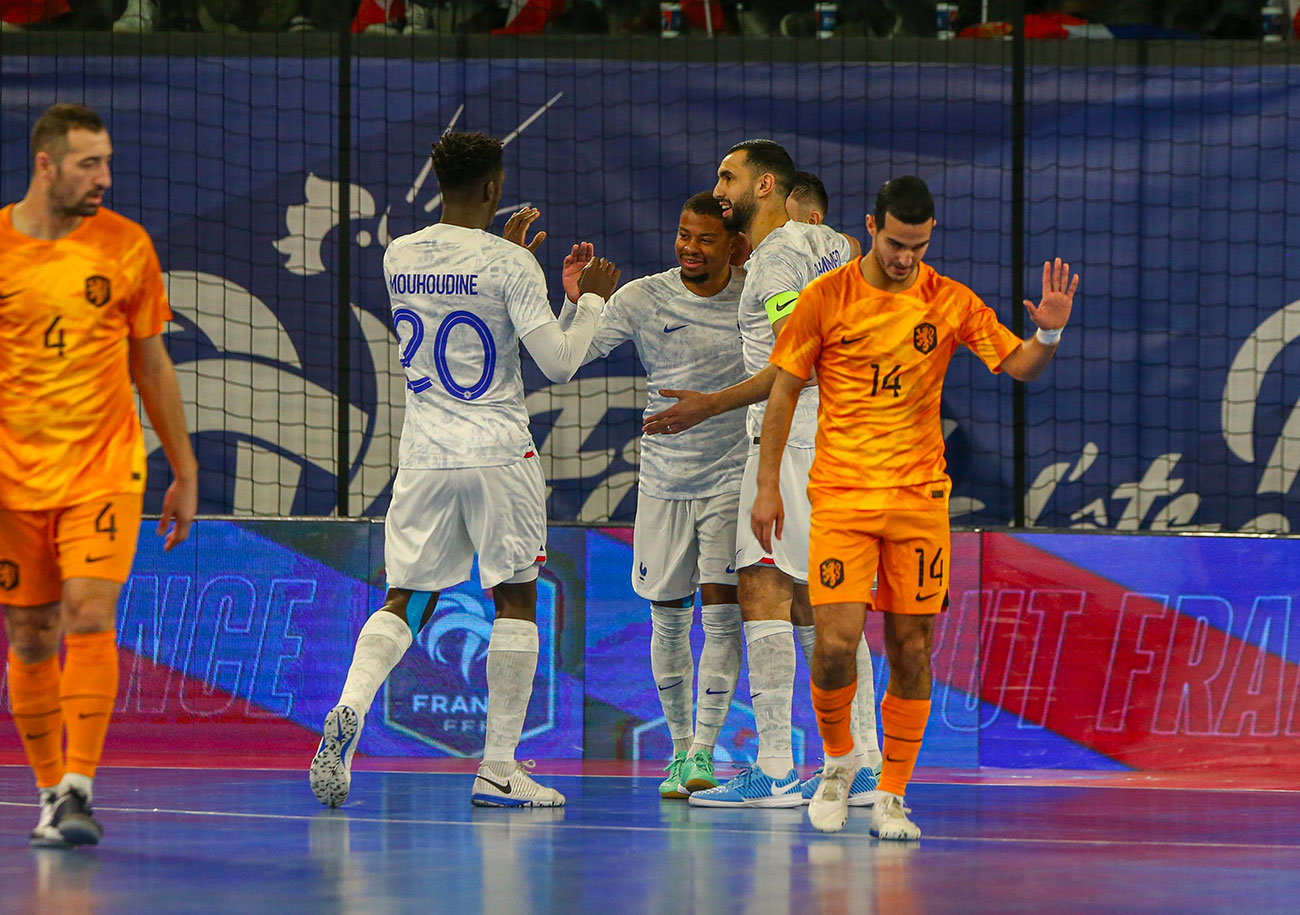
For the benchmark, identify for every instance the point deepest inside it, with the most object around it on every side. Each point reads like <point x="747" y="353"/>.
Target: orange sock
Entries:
<point x="87" y="692"/>
<point x="832" y="709"/>
<point x="34" y="697"/>
<point x="904" y="725"/>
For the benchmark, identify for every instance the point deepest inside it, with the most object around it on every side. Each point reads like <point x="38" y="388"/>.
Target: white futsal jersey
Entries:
<point x="461" y="300"/>
<point x="685" y="341"/>
<point x="788" y="259"/>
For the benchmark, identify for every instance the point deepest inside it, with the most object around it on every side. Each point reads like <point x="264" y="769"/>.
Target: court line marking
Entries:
<point x="344" y="816"/>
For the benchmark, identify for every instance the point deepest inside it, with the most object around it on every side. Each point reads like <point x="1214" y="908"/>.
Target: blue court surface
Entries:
<point x="216" y="840"/>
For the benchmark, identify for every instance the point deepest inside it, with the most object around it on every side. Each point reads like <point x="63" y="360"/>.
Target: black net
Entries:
<point x="273" y="166"/>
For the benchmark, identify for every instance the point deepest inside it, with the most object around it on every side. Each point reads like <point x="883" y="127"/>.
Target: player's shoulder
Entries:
<point x="656" y="284"/>
<point x="112" y="225"/>
<point x="933" y="286"/>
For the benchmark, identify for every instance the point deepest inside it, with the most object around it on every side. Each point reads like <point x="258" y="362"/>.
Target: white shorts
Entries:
<point x="679" y="545"/>
<point x="790" y="550"/>
<point x="438" y="519"/>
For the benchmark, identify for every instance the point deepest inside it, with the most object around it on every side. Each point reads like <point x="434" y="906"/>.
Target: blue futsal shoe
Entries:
<point x="752" y="788"/>
<point x="862" y="793"/>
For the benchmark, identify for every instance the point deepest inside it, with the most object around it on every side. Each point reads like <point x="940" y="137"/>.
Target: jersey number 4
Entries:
<point x="454" y="388"/>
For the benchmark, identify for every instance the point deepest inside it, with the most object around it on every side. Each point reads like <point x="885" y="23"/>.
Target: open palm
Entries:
<point x="1058" y="296"/>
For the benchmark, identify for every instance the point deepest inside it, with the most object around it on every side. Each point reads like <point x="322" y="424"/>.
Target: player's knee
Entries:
<point x="516" y="600"/>
<point x="836" y="646"/>
<point x="89" y="614"/>
<point x="33" y="638"/>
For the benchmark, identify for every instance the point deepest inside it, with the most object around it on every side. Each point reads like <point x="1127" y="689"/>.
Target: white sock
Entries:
<point x="83" y="783"/>
<point x="511" y="664"/>
<point x="673" y="668"/>
<point x="807" y="636"/>
<point x="382" y="642"/>
<point x="844" y="762"/>
<point x="862" y="713"/>
<point x="719" y="669"/>
<point x="770" y="644"/>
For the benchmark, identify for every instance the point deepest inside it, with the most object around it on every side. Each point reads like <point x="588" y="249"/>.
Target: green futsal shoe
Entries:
<point x="671" y="787"/>
<point x="697" y="774"/>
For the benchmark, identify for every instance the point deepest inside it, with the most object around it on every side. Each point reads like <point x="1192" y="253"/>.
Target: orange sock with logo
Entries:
<point x="87" y="691"/>
<point x="832" y="709"/>
<point x="904" y="725"/>
<point x="34" y="698"/>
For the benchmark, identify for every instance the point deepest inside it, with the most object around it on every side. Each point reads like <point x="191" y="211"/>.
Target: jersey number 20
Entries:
<point x="454" y="388"/>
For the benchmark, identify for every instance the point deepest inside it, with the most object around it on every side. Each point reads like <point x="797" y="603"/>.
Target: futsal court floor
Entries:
<point x="245" y="839"/>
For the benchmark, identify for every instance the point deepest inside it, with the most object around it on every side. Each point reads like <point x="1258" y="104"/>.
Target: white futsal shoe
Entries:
<point x="331" y="768"/>
<point x="139" y="16"/>
<point x="45" y="835"/>
<point x="510" y="784"/>
<point x="889" y="818"/>
<point x="829" y="807"/>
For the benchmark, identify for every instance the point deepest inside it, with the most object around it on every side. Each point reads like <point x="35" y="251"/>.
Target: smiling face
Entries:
<point x="737" y="190"/>
<point x="703" y="247"/>
<point x="77" y="179"/>
<point x="897" y="247"/>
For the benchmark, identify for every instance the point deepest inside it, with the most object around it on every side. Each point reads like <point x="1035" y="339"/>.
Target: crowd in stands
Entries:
<point x="1239" y="19"/>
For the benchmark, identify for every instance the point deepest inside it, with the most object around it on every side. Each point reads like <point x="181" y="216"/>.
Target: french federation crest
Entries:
<point x="438" y="694"/>
<point x="98" y="290"/>
<point x="925" y="337"/>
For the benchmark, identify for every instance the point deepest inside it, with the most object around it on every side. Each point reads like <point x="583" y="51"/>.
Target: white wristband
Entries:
<point x="1048" y="337"/>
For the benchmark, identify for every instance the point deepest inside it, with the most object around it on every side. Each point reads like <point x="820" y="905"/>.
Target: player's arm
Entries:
<point x="1051" y="315"/>
<point x="768" y="515"/>
<point x="155" y="379"/>
<point x="694" y="407"/>
<point x="561" y="352"/>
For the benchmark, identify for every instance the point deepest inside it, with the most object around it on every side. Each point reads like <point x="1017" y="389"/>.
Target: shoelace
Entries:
<point x="834" y="781"/>
<point x="674" y="766"/>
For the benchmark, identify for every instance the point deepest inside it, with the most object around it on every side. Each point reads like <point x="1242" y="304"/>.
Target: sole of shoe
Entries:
<point x="80" y="829"/>
<point x="779" y="800"/>
<point x="699" y="784"/>
<point x="895" y="835"/>
<point x="496" y="800"/>
<point x="329" y="776"/>
<point x="674" y="794"/>
<point x="47" y="837"/>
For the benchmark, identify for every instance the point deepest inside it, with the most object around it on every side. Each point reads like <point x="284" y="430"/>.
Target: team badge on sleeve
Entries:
<point x="925" y="337"/>
<point x="98" y="290"/>
<point x="832" y="571"/>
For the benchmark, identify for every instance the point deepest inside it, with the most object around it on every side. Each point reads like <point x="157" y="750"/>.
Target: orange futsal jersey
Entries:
<point x="880" y="359"/>
<point x="68" y="427"/>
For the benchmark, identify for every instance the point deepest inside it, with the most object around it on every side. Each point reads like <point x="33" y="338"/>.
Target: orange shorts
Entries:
<point x="907" y="549"/>
<point x="39" y="550"/>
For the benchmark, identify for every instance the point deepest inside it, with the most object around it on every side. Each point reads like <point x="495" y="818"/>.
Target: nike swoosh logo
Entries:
<point x="36" y="736"/>
<point x="90" y="558"/>
<point x="343" y="747"/>
<point x="714" y="692"/>
<point x="670" y="686"/>
<point x="754" y="695"/>
<point x="669" y="330"/>
<point x="926" y="597"/>
<point x="5" y="295"/>
<point x="846" y="341"/>
<point x="784" y="789"/>
<point x="892" y="759"/>
<point x="731" y="570"/>
<point x="92" y="714"/>
<point x="504" y="789"/>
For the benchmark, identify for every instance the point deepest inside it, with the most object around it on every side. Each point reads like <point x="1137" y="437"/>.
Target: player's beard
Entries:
<point x="742" y="214"/>
<point x="77" y="207"/>
<point x="698" y="279"/>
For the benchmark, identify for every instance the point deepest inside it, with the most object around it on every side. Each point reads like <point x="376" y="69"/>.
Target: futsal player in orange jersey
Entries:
<point x="82" y="306"/>
<point x="879" y="333"/>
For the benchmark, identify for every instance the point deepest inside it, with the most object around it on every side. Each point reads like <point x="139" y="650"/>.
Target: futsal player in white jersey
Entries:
<point x="468" y="477"/>
<point x="754" y="181"/>
<point x="683" y="324"/>
<point x="808" y="202"/>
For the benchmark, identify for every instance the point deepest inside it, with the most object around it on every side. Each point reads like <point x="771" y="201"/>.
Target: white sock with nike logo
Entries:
<point x="382" y="642"/>
<point x="673" y="668"/>
<point x="511" y="665"/>
<point x="770" y="644"/>
<point x="719" y="669"/>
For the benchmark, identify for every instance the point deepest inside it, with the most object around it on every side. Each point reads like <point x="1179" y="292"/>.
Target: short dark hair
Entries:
<point x="50" y="132"/>
<point x="907" y="198"/>
<point x="464" y="160"/>
<point x="703" y="204"/>
<point x="809" y="188"/>
<point x="769" y="156"/>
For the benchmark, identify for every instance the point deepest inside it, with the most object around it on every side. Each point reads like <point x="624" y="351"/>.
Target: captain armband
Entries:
<point x="780" y="305"/>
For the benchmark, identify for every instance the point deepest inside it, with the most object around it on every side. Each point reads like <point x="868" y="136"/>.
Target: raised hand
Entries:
<point x="573" y="265"/>
<point x="1058" y="296"/>
<point x="517" y="227"/>
<point x="599" y="276"/>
